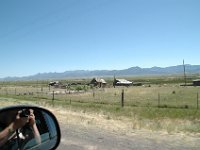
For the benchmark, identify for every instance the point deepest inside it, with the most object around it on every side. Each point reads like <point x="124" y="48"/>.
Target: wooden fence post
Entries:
<point x="158" y="99"/>
<point x="53" y="99"/>
<point x="122" y="100"/>
<point x="53" y="96"/>
<point x="197" y="100"/>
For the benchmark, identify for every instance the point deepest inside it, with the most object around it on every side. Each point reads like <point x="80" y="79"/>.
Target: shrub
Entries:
<point x="79" y="88"/>
<point x="118" y="109"/>
<point x="186" y="106"/>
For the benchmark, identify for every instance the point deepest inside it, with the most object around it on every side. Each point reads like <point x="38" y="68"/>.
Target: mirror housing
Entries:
<point x="28" y="128"/>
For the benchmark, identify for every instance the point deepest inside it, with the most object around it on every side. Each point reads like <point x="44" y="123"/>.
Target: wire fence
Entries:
<point x="172" y="96"/>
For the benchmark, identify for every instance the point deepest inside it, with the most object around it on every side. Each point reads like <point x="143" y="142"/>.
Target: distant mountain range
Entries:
<point x="133" y="71"/>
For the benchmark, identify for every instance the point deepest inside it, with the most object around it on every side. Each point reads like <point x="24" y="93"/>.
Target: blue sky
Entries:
<point x="59" y="35"/>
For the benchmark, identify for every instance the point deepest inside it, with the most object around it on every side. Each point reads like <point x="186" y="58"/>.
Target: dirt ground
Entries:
<point x="94" y="132"/>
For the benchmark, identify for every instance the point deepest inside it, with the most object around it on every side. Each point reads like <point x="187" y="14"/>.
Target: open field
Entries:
<point x="161" y="104"/>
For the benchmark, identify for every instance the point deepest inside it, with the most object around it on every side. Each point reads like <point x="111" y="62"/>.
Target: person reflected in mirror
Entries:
<point x="9" y="132"/>
<point x="30" y="130"/>
<point x="19" y="127"/>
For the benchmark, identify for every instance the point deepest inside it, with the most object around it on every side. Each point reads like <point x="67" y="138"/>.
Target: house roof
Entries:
<point x="103" y="81"/>
<point x="197" y="80"/>
<point x="123" y="81"/>
<point x="100" y="80"/>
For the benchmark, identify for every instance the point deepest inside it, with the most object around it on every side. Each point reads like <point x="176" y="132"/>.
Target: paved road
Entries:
<point x="82" y="138"/>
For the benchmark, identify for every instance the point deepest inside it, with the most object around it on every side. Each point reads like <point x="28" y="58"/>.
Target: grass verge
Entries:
<point x="170" y="120"/>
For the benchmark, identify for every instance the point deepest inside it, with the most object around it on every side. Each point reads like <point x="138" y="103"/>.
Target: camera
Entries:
<point x="24" y="113"/>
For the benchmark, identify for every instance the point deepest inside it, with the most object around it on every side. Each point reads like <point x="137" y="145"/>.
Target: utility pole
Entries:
<point x="184" y="71"/>
<point x="122" y="100"/>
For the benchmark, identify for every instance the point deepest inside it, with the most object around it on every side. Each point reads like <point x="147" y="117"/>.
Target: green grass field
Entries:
<point x="164" y="105"/>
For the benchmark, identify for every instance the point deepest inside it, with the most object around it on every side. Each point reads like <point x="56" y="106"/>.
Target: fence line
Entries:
<point x="104" y="97"/>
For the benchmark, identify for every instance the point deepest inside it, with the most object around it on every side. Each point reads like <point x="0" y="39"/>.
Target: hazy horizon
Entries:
<point x="95" y="70"/>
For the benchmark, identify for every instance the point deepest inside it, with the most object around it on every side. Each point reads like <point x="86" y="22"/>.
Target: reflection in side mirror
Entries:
<point x="28" y="128"/>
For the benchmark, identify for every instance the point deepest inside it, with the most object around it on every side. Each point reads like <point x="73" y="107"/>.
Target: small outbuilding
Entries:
<point x="54" y="83"/>
<point x="122" y="82"/>
<point x="98" y="82"/>
<point x="196" y="82"/>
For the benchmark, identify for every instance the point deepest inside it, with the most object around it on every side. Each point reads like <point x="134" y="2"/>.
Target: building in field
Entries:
<point x="122" y="82"/>
<point x="196" y="82"/>
<point x="98" y="82"/>
<point x="54" y="83"/>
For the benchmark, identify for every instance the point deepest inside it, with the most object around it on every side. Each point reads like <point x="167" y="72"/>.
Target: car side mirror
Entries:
<point x="28" y="128"/>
